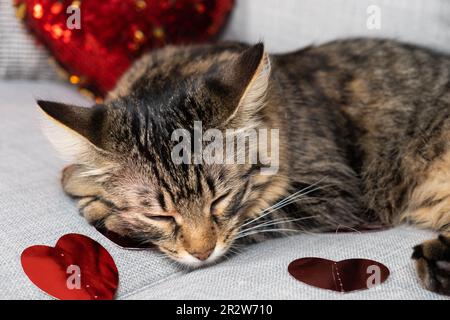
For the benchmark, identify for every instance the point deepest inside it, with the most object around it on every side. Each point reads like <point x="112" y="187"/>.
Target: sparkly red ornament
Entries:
<point x="77" y="268"/>
<point x="342" y="276"/>
<point x="95" y="41"/>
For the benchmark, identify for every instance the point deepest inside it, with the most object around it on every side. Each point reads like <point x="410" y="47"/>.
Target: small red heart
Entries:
<point x="343" y="276"/>
<point x="77" y="268"/>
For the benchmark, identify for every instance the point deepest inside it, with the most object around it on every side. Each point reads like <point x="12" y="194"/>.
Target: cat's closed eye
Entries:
<point x="219" y="204"/>
<point x="162" y="218"/>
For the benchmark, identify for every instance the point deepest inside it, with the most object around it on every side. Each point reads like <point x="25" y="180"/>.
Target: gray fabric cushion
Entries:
<point x="260" y="272"/>
<point x="21" y="57"/>
<point x="34" y="210"/>
<point x="291" y="24"/>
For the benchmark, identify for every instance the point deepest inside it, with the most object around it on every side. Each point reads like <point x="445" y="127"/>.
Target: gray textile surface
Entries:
<point x="291" y="24"/>
<point x="20" y="55"/>
<point x="34" y="210"/>
<point x="260" y="272"/>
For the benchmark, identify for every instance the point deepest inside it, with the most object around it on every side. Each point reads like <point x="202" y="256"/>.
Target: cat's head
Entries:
<point x="124" y="149"/>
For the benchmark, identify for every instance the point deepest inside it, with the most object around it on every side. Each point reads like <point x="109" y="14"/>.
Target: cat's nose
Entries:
<point x="202" y="255"/>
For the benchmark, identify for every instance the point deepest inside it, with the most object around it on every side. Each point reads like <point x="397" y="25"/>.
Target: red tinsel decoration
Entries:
<point x="113" y="33"/>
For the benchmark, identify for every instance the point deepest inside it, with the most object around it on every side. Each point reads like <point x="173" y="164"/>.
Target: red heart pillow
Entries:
<point x="113" y="33"/>
<point x="77" y="268"/>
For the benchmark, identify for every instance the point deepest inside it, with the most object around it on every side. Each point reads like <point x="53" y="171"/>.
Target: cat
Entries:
<point x="364" y="131"/>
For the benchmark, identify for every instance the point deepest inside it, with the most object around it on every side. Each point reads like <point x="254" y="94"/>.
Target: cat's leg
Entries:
<point x="89" y="194"/>
<point x="432" y="259"/>
<point x="429" y="208"/>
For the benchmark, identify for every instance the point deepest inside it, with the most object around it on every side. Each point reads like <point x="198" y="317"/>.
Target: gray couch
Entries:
<point x="34" y="210"/>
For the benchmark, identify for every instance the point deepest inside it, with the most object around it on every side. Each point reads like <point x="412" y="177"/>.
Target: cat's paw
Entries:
<point x="76" y="184"/>
<point x="91" y="203"/>
<point x="94" y="209"/>
<point x="66" y="176"/>
<point x="432" y="260"/>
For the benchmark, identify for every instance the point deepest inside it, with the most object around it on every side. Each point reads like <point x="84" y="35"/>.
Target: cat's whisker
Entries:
<point x="279" y="206"/>
<point x="234" y="251"/>
<point x="281" y="202"/>
<point x="275" y="222"/>
<point x="341" y="226"/>
<point x="237" y="247"/>
<point x="226" y="256"/>
<point x="266" y="230"/>
<point x="296" y="198"/>
<point x="276" y="206"/>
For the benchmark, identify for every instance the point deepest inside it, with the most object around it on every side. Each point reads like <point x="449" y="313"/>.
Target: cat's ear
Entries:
<point x="73" y="128"/>
<point x="249" y="74"/>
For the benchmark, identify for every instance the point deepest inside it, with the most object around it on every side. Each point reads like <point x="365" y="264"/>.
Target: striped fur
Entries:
<point x="364" y="134"/>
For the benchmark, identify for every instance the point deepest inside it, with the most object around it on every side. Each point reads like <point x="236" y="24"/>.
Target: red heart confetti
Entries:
<point x="342" y="276"/>
<point x="95" y="41"/>
<point x="77" y="268"/>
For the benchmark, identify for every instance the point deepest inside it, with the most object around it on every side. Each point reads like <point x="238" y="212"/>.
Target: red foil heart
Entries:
<point x="112" y="33"/>
<point x="343" y="276"/>
<point x="77" y="268"/>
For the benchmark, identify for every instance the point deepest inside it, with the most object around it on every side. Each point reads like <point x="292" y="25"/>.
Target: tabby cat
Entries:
<point x="364" y="131"/>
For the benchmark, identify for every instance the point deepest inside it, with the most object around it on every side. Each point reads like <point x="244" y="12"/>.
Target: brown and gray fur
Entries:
<point x="364" y="133"/>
